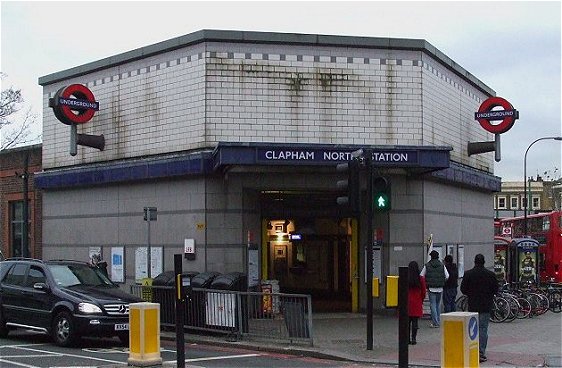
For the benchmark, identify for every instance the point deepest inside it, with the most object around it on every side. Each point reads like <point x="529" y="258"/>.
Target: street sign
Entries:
<point x="150" y="214"/>
<point x="486" y="115"/>
<point x="74" y="104"/>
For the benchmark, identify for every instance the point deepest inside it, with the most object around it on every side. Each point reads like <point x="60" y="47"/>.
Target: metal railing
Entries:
<point x="240" y="314"/>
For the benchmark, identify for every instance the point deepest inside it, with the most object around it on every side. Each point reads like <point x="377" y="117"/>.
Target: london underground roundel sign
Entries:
<point x="74" y="104"/>
<point x="506" y="117"/>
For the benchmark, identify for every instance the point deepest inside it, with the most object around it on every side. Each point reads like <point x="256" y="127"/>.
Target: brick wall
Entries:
<point x="11" y="189"/>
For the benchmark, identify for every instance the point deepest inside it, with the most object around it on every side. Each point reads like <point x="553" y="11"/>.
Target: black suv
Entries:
<point x="67" y="299"/>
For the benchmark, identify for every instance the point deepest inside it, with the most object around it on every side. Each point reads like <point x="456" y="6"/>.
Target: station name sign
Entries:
<point x="303" y="156"/>
<point x="79" y="104"/>
<point x="495" y="115"/>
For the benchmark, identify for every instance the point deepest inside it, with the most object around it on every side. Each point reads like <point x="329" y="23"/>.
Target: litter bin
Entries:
<point x="164" y="293"/>
<point x="222" y="308"/>
<point x="295" y="319"/>
<point x="195" y="311"/>
<point x="165" y="296"/>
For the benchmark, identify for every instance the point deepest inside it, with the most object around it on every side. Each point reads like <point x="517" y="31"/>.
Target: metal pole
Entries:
<point x="25" y="216"/>
<point x="369" y="245"/>
<point x="148" y="260"/>
<point x="180" y="307"/>
<point x="403" y="329"/>
<point x="526" y="204"/>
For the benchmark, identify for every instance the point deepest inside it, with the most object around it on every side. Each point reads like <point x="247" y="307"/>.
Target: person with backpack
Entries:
<point x="435" y="275"/>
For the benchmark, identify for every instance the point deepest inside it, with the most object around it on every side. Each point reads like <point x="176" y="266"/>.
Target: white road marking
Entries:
<point x="73" y="355"/>
<point x="18" y="364"/>
<point x="30" y="356"/>
<point x="216" y="358"/>
<point x="15" y="346"/>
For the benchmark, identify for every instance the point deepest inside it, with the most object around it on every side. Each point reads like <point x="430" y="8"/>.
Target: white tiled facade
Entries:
<point x="199" y="95"/>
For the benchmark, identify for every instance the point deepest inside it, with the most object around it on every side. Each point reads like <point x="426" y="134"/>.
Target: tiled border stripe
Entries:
<point x="280" y="57"/>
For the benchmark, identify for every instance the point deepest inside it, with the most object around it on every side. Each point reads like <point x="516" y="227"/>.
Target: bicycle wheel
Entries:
<point x="544" y="303"/>
<point x="524" y="308"/>
<point x="513" y="306"/>
<point x="500" y="310"/>
<point x="539" y="303"/>
<point x="555" y="300"/>
<point x="462" y="303"/>
<point x="534" y="300"/>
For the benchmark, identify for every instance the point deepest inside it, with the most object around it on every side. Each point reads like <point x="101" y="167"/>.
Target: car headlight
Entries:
<point x="89" y="308"/>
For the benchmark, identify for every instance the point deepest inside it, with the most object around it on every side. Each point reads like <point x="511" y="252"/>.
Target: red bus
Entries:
<point x="546" y="228"/>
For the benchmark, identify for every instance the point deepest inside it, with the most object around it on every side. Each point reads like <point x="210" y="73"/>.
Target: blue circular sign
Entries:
<point x="473" y="328"/>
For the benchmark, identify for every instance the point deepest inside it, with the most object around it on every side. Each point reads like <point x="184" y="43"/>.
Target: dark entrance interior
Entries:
<point x="308" y="245"/>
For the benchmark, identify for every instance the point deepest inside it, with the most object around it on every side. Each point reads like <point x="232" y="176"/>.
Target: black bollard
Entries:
<point x="180" y="308"/>
<point x="403" y="329"/>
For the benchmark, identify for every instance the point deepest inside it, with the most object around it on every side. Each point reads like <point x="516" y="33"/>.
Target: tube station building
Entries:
<point x="223" y="146"/>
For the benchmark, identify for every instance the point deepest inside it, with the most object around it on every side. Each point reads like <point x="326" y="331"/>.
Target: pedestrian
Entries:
<point x="435" y="275"/>
<point x="416" y="295"/>
<point x="480" y="285"/>
<point x="451" y="285"/>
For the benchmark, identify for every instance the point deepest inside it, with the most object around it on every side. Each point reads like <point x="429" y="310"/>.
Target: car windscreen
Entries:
<point x="66" y="275"/>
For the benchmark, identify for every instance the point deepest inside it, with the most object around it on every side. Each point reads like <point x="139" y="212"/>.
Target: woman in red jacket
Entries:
<point x="416" y="295"/>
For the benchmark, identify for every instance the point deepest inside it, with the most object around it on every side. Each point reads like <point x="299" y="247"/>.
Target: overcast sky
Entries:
<point x="513" y="47"/>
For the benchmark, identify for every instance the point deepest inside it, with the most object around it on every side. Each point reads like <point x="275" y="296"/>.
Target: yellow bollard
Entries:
<point x="391" y="291"/>
<point x="144" y="334"/>
<point x="375" y="287"/>
<point x="459" y="339"/>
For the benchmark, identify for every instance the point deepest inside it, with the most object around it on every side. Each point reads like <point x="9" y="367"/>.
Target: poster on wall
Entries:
<point x="451" y="251"/>
<point x="460" y="260"/>
<point x="500" y="264"/>
<point x="141" y="262"/>
<point x="117" y="264"/>
<point x="94" y="254"/>
<point x="377" y="261"/>
<point x="253" y="265"/>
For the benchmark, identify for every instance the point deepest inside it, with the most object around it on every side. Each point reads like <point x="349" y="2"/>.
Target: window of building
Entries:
<point x="546" y="223"/>
<point x="514" y="203"/>
<point x="536" y="203"/>
<point x="16" y="230"/>
<point x="502" y="203"/>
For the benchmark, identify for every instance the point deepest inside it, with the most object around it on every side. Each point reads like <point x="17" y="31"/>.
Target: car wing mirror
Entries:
<point x="41" y="286"/>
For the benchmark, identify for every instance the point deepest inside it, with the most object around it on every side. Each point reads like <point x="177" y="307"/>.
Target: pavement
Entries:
<point x="533" y="342"/>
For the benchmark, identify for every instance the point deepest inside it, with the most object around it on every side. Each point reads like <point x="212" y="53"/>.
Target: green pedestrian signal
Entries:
<point x="381" y="202"/>
<point x="381" y="194"/>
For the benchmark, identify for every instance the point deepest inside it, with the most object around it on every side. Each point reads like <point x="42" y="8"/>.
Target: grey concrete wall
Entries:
<point x="76" y="219"/>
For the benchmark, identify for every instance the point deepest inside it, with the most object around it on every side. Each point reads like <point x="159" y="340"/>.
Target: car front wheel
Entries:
<point x="63" y="331"/>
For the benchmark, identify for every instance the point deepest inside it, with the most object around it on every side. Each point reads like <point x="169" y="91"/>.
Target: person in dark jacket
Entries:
<point x="480" y="285"/>
<point x="435" y="275"/>
<point x="416" y="295"/>
<point x="451" y="285"/>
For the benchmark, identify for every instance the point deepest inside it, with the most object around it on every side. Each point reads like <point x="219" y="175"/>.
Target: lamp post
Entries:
<point x="526" y="204"/>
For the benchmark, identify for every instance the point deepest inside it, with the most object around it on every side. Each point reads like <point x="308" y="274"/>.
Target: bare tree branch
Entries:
<point x="14" y="130"/>
<point x="22" y="134"/>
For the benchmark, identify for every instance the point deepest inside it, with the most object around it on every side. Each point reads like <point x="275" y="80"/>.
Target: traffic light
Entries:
<point x="349" y="185"/>
<point x="381" y="194"/>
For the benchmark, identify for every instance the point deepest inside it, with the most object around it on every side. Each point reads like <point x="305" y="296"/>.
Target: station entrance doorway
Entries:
<point x="308" y="249"/>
